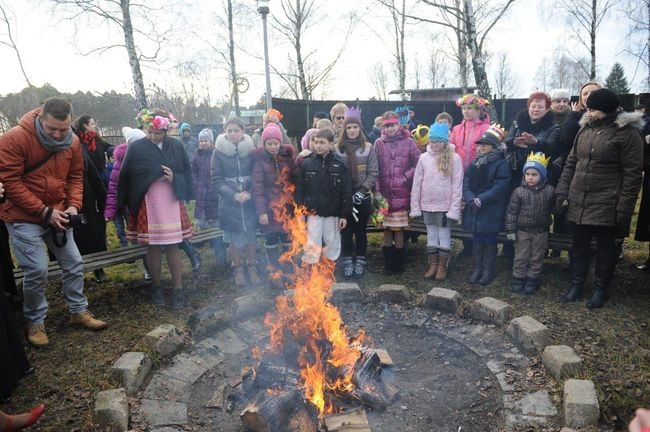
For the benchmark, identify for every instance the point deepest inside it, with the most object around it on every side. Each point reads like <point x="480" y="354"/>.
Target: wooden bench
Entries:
<point x="99" y="260"/>
<point x="556" y="241"/>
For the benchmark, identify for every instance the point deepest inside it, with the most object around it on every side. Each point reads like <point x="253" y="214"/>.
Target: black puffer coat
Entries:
<point x="602" y="175"/>
<point x="232" y="168"/>
<point x="324" y="186"/>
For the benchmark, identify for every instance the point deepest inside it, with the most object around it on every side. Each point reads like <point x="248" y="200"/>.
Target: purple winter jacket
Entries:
<point x="207" y="199"/>
<point x="111" y="193"/>
<point x="397" y="157"/>
<point x="266" y="182"/>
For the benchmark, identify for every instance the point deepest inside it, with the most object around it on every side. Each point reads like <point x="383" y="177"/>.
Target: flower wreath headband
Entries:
<point x="476" y="101"/>
<point x="149" y="119"/>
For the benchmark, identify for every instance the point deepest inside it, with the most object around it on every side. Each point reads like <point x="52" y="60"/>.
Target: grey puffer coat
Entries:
<point x="602" y="175"/>
<point x="232" y="168"/>
<point x="530" y="208"/>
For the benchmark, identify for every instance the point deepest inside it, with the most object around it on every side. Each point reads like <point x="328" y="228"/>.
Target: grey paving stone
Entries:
<point x="581" y="407"/>
<point x="208" y="356"/>
<point x="561" y="361"/>
<point x="249" y="306"/>
<point x="252" y="331"/>
<point x="112" y="410"/>
<point x="344" y="292"/>
<point x="444" y="300"/>
<point x="185" y="369"/>
<point x="228" y="342"/>
<point x="392" y="293"/>
<point x="494" y="366"/>
<point x="537" y="404"/>
<point x="163" y="413"/>
<point x="166" y="388"/>
<point x="165" y="339"/>
<point x="528" y="334"/>
<point x="519" y="421"/>
<point x="503" y="382"/>
<point x="204" y="322"/>
<point x="130" y="370"/>
<point x="491" y="310"/>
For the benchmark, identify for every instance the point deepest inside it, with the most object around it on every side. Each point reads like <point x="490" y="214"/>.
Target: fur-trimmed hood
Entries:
<point x="525" y="125"/>
<point x="244" y="148"/>
<point x="633" y="119"/>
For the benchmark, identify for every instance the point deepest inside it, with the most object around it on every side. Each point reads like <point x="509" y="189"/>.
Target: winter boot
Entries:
<point x="240" y="276"/>
<point x="517" y="284"/>
<point x="478" y="250"/>
<point x="489" y="264"/>
<point x="579" y="269"/>
<point x="443" y="262"/>
<point x="219" y="248"/>
<point x="195" y="258"/>
<point x="252" y="274"/>
<point x="400" y="259"/>
<point x="531" y="285"/>
<point x="360" y="265"/>
<point x="178" y="298"/>
<point x="348" y="267"/>
<point x="605" y="264"/>
<point x="388" y="259"/>
<point x="432" y="254"/>
<point x="157" y="297"/>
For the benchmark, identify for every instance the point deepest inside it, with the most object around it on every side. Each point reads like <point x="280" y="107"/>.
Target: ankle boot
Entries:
<point x="157" y="297"/>
<point x="348" y="266"/>
<point x="531" y="285"/>
<point x="605" y="264"/>
<point x="489" y="265"/>
<point x="178" y="298"/>
<point x="400" y="260"/>
<point x="478" y="250"/>
<point x="195" y="258"/>
<point x="219" y="252"/>
<point x="433" y="265"/>
<point x="517" y="284"/>
<point x="443" y="261"/>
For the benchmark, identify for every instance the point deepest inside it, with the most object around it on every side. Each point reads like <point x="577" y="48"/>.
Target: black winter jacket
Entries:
<point x="324" y="186"/>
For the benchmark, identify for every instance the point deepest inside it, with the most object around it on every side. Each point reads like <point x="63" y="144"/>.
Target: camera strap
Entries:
<point x="39" y="164"/>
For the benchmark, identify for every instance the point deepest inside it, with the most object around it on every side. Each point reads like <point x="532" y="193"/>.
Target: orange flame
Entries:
<point x="307" y="316"/>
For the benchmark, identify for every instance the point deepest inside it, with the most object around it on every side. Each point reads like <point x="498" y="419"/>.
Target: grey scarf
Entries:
<point x="50" y="143"/>
<point x="485" y="159"/>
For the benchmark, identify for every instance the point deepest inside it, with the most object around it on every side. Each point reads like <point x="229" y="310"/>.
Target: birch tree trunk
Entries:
<point x="134" y="59"/>
<point x="231" y="52"/>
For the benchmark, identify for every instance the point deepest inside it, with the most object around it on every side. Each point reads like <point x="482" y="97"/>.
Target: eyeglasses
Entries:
<point x="339" y="118"/>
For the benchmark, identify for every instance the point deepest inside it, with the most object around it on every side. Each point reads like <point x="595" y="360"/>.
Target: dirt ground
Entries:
<point x="614" y="342"/>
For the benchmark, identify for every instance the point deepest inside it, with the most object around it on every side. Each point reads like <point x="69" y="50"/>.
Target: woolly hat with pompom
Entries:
<point x="132" y="135"/>
<point x="206" y="135"/>
<point x="270" y="131"/>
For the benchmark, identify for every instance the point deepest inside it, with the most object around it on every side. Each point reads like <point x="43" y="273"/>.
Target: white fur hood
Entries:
<point x="244" y="148"/>
<point x="633" y="119"/>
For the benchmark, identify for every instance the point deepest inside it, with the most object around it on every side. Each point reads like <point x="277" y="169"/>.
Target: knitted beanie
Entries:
<point x="206" y="135"/>
<point x="603" y="100"/>
<point x="304" y="142"/>
<point x="560" y="94"/>
<point x="185" y="126"/>
<point x="270" y="131"/>
<point x="439" y="132"/>
<point x="132" y="135"/>
<point x="541" y="169"/>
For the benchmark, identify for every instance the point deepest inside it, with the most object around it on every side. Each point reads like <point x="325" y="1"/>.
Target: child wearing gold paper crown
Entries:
<point x="528" y="218"/>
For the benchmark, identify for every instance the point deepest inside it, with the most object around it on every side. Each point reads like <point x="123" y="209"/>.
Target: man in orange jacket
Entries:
<point x="41" y="167"/>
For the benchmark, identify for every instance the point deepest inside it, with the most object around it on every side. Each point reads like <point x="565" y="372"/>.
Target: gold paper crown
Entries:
<point x="496" y="131"/>
<point x="538" y="157"/>
<point x="421" y="135"/>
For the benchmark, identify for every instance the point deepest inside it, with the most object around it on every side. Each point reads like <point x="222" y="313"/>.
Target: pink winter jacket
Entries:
<point x="111" y="193"/>
<point x="464" y="137"/>
<point x="435" y="192"/>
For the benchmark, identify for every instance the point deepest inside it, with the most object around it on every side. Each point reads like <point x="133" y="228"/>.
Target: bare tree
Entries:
<point x="437" y="68"/>
<point x="398" y="16"/>
<point x="638" y="37"/>
<point x="505" y="82"/>
<point x="562" y="71"/>
<point x="584" y="18"/>
<point x="417" y="72"/>
<point x="298" y="16"/>
<point x="379" y="79"/>
<point x="11" y="43"/>
<point x="120" y="13"/>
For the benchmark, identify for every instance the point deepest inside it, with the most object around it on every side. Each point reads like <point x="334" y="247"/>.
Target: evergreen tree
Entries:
<point x="616" y="80"/>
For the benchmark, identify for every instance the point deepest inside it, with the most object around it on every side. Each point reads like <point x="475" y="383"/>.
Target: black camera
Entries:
<point x="77" y="220"/>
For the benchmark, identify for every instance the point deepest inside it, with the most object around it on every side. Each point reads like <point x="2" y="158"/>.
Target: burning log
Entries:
<point x="271" y="376"/>
<point x="272" y="410"/>
<point x="351" y="421"/>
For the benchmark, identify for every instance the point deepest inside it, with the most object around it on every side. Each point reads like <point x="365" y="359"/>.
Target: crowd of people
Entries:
<point x="576" y="167"/>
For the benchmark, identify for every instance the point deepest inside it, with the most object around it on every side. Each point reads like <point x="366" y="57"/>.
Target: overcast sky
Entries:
<point x="51" y="48"/>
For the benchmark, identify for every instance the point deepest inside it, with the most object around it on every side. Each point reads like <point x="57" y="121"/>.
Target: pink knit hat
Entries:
<point x="271" y="130"/>
<point x="304" y="142"/>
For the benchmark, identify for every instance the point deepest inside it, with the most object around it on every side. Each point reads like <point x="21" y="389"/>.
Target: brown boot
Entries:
<point x="252" y="275"/>
<point x="433" y="266"/>
<point x="441" y="273"/>
<point x="240" y="276"/>
<point x="87" y="320"/>
<point x="36" y="335"/>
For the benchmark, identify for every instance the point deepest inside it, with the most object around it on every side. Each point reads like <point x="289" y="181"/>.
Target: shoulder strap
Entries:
<point x="39" y="164"/>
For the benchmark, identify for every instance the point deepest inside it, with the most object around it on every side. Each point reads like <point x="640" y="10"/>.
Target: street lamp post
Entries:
<point x="263" y="9"/>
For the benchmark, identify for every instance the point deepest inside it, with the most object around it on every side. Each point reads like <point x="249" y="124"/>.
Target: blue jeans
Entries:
<point x="29" y="246"/>
<point x="119" y="222"/>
